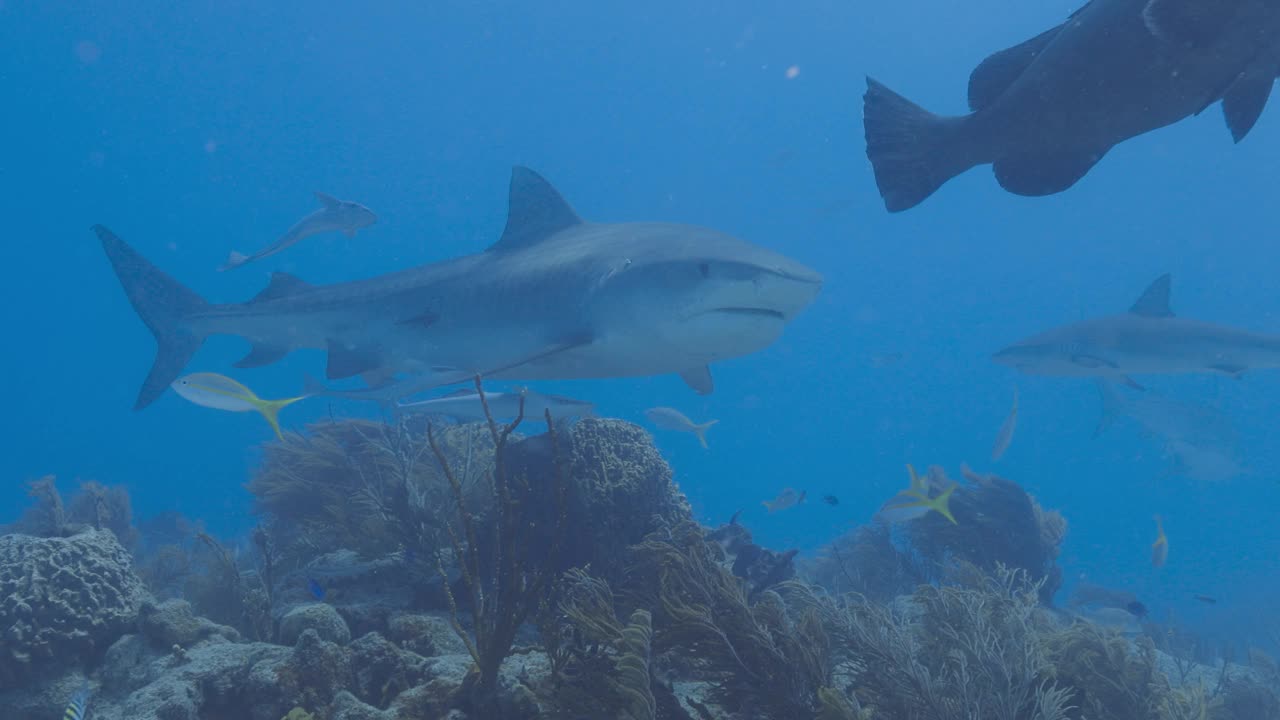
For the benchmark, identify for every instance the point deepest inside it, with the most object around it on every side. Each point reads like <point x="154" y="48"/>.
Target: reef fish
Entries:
<point x="220" y="392"/>
<point x="1160" y="548"/>
<point x="78" y="704"/>
<point x="316" y="589"/>
<point x="916" y="502"/>
<point x="1005" y="436"/>
<point x="465" y="405"/>
<point x="1046" y="110"/>
<point x="1147" y="339"/>
<point x="554" y="298"/>
<point x="334" y="215"/>
<point x="671" y="419"/>
<point x="831" y="500"/>
<point x="789" y="497"/>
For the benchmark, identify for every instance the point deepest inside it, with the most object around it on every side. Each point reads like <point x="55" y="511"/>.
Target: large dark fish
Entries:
<point x="1044" y="112"/>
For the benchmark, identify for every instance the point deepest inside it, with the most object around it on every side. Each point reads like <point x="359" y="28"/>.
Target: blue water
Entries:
<point x="195" y="129"/>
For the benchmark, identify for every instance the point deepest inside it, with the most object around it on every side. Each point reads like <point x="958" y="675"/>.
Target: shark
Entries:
<point x="334" y="215"/>
<point x="556" y="297"/>
<point x="1149" y="339"/>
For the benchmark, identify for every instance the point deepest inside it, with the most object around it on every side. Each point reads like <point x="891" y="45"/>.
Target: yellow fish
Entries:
<point x="1159" y="548"/>
<point x="220" y="392"/>
<point x="914" y="502"/>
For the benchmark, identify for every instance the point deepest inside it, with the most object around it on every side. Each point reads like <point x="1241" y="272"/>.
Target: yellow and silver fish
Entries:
<point x="220" y="392"/>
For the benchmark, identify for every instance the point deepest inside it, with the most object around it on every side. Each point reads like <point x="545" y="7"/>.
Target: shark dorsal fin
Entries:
<point x="537" y="211"/>
<point x="280" y="285"/>
<point x="1154" y="302"/>
<point x="327" y="200"/>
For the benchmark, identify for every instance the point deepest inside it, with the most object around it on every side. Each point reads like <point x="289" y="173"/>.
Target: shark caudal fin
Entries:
<point x="164" y="304"/>
<point x="912" y="151"/>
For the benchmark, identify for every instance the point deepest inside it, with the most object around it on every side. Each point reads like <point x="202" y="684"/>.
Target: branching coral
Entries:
<point x="773" y="655"/>
<point x="104" y="508"/>
<point x="368" y="486"/>
<point x="507" y="583"/>
<point x="953" y="653"/>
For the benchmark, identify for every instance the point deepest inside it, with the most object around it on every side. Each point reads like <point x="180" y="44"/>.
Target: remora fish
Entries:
<point x="465" y="405"/>
<point x="1147" y="339"/>
<point x="1045" y="111"/>
<point x="334" y="215"/>
<point x="1005" y="436"/>
<point x="554" y="298"/>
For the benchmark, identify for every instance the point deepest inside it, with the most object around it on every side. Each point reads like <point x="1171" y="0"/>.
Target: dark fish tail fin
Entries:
<point x="164" y="305"/>
<point x="912" y="150"/>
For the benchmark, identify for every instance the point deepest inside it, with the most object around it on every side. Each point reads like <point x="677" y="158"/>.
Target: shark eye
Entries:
<point x="705" y="269"/>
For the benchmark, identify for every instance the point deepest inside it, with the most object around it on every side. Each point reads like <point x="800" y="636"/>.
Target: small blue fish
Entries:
<point x="79" y="702"/>
<point x="410" y="556"/>
<point x="317" y="590"/>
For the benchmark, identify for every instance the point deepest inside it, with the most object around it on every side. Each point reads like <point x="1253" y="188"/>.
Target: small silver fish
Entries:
<point x="1005" y="436"/>
<point x="667" y="418"/>
<point x="789" y="497"/>
<point x="334" y="215"/>
<point x="466" y="405"/>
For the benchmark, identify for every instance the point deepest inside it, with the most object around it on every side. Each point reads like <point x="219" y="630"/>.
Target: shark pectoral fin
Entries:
<point x="1154" y="301"/>
<point x="699" y="379"/>
<point x="262" y="354"/>
<point x="1189" y="22"/>
<point x="379" y="377"/>
<point x="1235" y="371"/>
<point x="327" y="200"/>
<point x="1244" y="100"/>
<point x="345" y="361"/>
<point x="1045" y="173"/>
<point x="281" y="285"/>
<point x="995" y="74"/>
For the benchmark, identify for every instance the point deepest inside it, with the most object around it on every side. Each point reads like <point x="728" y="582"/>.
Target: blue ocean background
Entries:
<point x="193" y="129"/>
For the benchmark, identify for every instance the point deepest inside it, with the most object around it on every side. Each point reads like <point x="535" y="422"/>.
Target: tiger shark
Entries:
<point x="555" y="297"/>
<point x="1148" y="339"/>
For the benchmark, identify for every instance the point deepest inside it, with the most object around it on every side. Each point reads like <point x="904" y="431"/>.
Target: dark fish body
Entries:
<point x="1045" y="111"/>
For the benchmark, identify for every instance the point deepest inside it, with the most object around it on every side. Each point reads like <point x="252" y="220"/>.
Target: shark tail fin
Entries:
<point x="164" y="305"/>
<point x="234" y="260"/>
<point x="912" y="151"/>
<point x="701" y="432"/>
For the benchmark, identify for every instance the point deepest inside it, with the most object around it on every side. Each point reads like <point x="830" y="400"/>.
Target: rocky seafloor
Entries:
<point x="468" y="573"/>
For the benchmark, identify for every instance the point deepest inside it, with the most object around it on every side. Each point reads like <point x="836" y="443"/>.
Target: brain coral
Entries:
<point x="62" y="600"/>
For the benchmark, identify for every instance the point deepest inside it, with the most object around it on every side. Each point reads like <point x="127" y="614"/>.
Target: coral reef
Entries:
<point x="997" y="524"/>
<point x="506" y="574"/>
<point x="62" y="601"/>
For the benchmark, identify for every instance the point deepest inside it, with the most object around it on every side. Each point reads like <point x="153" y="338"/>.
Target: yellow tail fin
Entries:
<point x="701" y="432"/>
<point x="942" y="504"/>
<point x="270" y="409"/>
